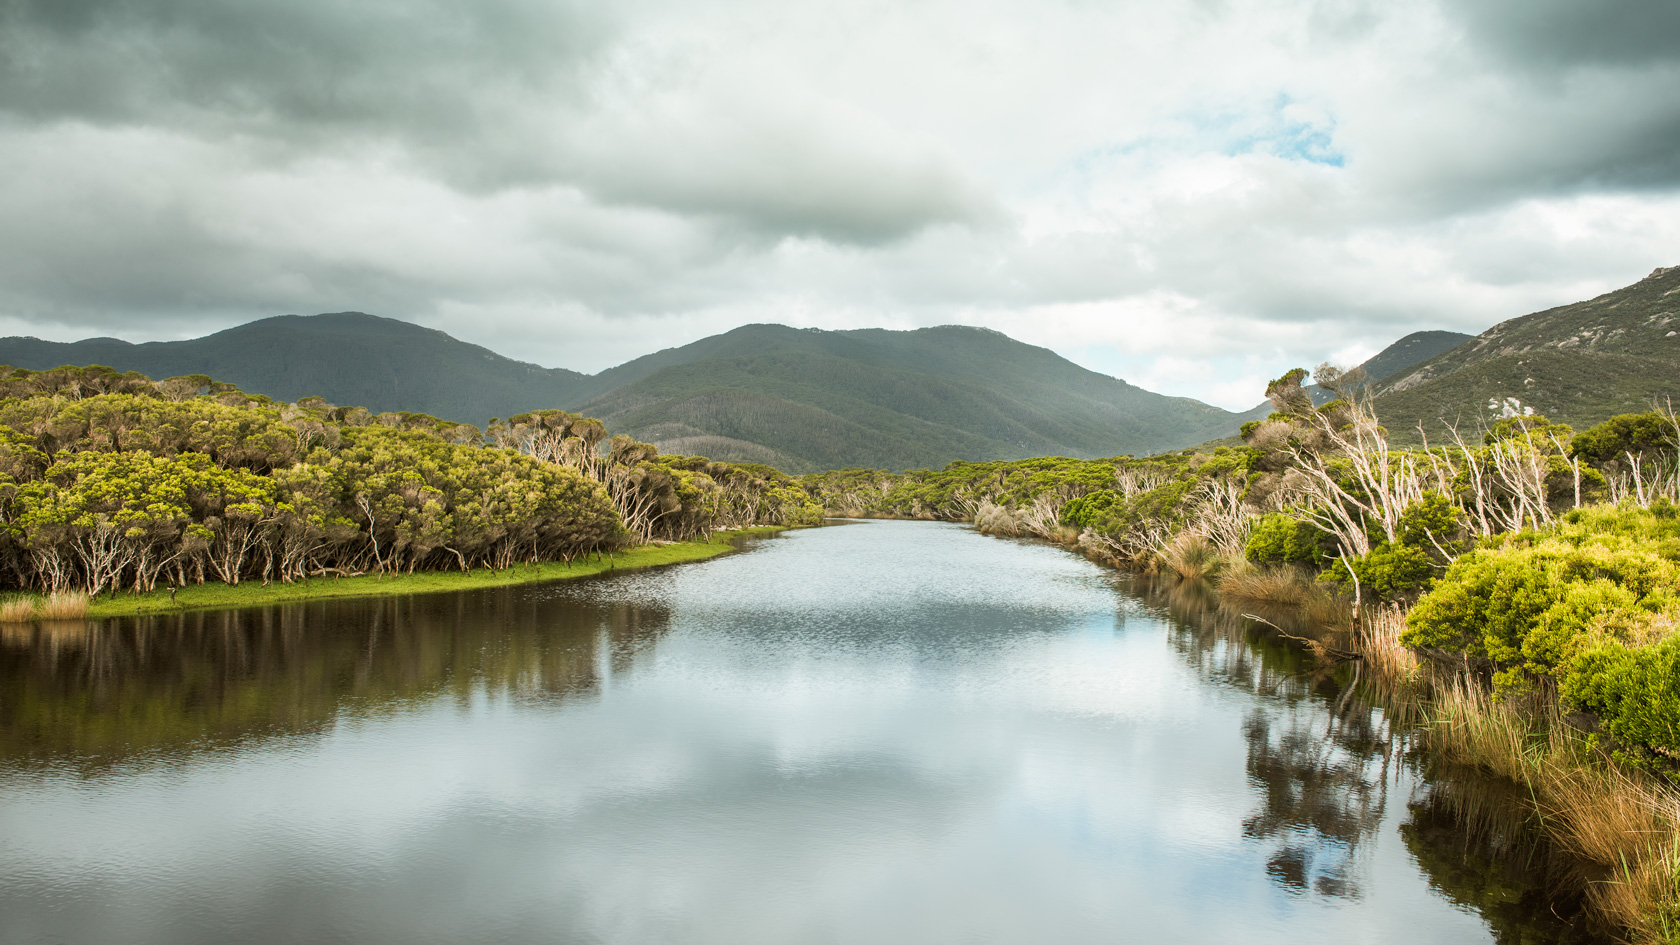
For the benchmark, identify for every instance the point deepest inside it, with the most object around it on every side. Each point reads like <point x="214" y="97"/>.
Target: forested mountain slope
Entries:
<point x="349" y="358"/>
<point x="804" y="399"/>
<point x="801" y="399"/>
<point x="1580" y="363"/>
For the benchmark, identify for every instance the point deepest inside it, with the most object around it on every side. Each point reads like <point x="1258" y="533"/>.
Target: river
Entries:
<point x="875" y="732"/>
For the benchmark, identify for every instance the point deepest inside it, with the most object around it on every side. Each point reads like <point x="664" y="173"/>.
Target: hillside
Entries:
<point x="808" y="400"/>
<point x="1415" y="348"/>
<point x="349" y="358"/>
<point x="1580" y="363"/>
<point x="801" y="399"/>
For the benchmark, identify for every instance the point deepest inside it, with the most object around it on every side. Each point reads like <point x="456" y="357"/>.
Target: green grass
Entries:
<point x="254" y="594"/>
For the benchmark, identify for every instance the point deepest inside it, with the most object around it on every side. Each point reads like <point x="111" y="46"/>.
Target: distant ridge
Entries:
<point x="1581" y="363"/>
<point x="894" y="399"/>
<point x="1415" y="348"/>
<point x="348" y="357"/>
<point x="801" y="399"/>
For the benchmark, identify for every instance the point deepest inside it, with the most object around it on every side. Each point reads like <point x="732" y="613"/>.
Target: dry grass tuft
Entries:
<point x="993" y="519"/>
<point x="1378" y="642"/>
<point x="1628" y="825"/>
<point x="64" y="605"/>
<point x="1190" y="556"/>
<point x="1266" y="585"/>
<point x="18" y="610"/>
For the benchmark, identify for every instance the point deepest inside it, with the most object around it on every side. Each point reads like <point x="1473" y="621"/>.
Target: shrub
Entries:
<point x="1090" y="508"/>
<point x="1635" y="692"/>
<point x="1529" y="602"/>
<point x="1636" y="433"/>
<point x="1279" y="539"/>
<point x="1388" y="572"/>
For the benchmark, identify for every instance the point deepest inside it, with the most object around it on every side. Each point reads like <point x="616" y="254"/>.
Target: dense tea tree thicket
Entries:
<point x="115" y="481"/>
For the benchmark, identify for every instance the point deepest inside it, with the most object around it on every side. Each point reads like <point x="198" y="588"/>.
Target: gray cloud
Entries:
<point x="1150" y="186"/>
<point x="494" y="95"/>
<point x="424" y="67"/>
<point x="1547" y="35"/>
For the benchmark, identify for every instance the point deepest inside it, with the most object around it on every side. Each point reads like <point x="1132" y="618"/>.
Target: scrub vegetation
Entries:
<point x="113" y="483"/>
<point x="1518" y="587"/>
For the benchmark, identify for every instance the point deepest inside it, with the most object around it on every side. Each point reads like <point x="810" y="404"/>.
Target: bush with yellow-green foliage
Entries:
<point x="1589" y="605"/>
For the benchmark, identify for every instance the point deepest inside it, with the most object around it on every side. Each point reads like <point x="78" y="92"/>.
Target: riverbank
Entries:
<point x="218" y="596"/>
<point x="1619" y="828"/>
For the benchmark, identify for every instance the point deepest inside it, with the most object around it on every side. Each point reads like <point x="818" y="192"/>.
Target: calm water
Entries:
<point x="881" y="732"/>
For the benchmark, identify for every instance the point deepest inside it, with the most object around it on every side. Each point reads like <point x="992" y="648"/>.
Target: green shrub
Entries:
<point x="1387" y="572"/>
<point x="1635" y="692"/>
<point x="1090" y="508"/>
<point x="1529" y="602"/>
<point x="1433" y="523"/>
<point x="1635" y="433"/>
<point x="1279" y="539"/>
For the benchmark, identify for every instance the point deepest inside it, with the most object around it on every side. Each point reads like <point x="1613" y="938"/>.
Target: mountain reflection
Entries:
<point x="97" y="693"/>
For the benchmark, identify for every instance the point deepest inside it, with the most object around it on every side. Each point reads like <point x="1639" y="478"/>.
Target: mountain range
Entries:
<point x="808" y="399"/>
<point x="801" y="399"/>
<point x="1580" y="363"/>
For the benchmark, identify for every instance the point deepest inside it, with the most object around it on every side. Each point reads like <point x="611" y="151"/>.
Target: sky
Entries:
<point x="1194" y="195"/>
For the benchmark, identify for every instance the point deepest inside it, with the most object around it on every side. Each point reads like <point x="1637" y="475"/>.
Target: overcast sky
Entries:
<point x="1194" y="195"/>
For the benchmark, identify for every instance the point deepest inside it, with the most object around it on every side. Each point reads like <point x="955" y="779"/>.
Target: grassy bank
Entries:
<point x="1619" y="827"/>
<point x="255" y="594"/>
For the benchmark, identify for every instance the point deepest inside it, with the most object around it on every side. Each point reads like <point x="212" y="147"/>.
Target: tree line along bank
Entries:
<point x="113" y="481"/>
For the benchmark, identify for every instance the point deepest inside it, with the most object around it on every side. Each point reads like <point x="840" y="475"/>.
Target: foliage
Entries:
<point x="1634" y="691"/>
<point x="1624" y="434"/>
<point x="1088" y="509"/>
<point x="1531" y="601"/>
<point x="1431" y="533"/>
<point x="1388" y="572"/>
<point x="112" y="481"/>
<point x="1281" y="539"/>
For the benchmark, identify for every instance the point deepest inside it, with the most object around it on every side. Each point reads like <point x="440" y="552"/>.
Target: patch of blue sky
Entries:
<point x="1284" y="133"/>
<point x="1298" y="141"/>
<point x="1282" y="128"/>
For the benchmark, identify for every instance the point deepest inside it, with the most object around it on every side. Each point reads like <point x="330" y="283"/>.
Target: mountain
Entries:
<point x="809" y="399"/>
<point x="1415" y="348"/>
<point x="1581" y="363"/>
<point x="801" y="399"/>
<point x="348" y="358"/>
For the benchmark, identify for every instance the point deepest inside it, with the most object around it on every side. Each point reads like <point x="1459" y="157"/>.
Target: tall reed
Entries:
<point x="64" y="605"/>
<point x="1627" y="825"/>
<point x="18" y="610"/>
<point x="1377" y="641"/>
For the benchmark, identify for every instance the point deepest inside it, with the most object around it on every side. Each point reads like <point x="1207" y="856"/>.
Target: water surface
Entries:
<point x="879" y="732"/>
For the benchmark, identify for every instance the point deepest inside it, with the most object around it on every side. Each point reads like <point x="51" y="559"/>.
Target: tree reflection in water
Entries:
<point x="92" y="694"/>
<point x="1323" y="754"/>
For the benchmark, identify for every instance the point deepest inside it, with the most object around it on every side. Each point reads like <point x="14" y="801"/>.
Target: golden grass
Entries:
<point x="1191" y="557"/>
<point x="18" y="610"/>
<point x="993" y="519"/>
<point x="1283" y="585"/>
<point x="1378" y="642"/>
<point x="1626" y="824"/>
<point x="63" y="605"/>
